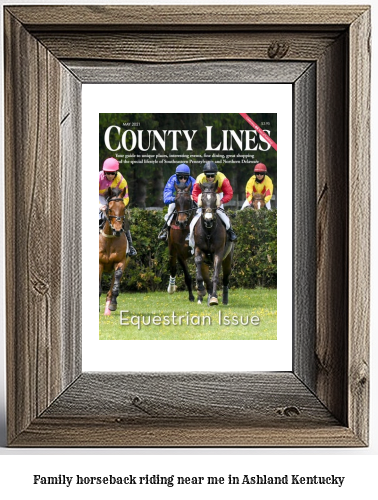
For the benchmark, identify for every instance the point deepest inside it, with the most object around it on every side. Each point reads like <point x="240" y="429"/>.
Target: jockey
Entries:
<point x="259" y="183"/>
<point x="111" y="177"/>
<point x="211" y="174"/>
<point x="182" y="175"/>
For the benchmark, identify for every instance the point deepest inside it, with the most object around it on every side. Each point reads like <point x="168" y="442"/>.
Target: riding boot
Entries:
<point x="132" y="252"/>
<point x="101" y="223"/>
<point x="231" y="235"/>
<point x="163" y="235"/>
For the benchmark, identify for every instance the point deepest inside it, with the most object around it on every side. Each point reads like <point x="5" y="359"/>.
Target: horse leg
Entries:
<point x="217" y="266"/>
<point x="172" y="272"/>
<point x="107" y="311"/>
<point x="188" y="278"/>
<point x="226" y="265"/>
<point x="114" y="290"/>
<point x="201" y="290"/>
<point x="206" y="276"/>
<point x="101" y="268"/>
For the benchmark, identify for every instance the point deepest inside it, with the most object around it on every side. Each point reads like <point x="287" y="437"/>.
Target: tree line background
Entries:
<point x="146" y="181"/>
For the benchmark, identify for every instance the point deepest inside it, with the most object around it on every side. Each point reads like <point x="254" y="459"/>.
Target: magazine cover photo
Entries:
<point x="188" y="226"/>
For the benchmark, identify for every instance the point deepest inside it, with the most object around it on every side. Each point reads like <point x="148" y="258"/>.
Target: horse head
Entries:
<point x="209" y="200"/>
<point x="183" y="203"/>
<point x="115" y="212"/>
<point x="258" y="201"/>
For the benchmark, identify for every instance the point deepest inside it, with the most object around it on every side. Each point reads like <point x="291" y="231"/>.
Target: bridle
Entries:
<point x="118" y="218"/>
<point x="258" y="202"/>
<point x="209" y="222"/>
<point x="187" y="212"/>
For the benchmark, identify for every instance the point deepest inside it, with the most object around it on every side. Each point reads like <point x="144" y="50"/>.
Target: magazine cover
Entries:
<point x="188" y="226"/>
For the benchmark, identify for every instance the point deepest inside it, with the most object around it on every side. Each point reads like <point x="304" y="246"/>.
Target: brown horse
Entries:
<point x="113" y="246"/>
<point x="211" y="246"/>
<point x="179" y="248"/>
<point x="258" y="201"/>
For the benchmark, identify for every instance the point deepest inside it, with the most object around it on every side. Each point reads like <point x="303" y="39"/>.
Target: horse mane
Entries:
<point x="115" y="193"/>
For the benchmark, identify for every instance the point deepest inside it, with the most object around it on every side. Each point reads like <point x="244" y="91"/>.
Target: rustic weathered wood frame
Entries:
<point x="49" y="52"/>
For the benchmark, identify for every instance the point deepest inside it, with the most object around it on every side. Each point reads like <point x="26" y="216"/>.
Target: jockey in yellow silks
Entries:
<point x="110" y="177"/>
<point x="211" y="174"/>
<point x="260" y="182"/>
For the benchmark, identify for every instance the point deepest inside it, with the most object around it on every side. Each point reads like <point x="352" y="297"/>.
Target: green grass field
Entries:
<point x="176" y="318"/>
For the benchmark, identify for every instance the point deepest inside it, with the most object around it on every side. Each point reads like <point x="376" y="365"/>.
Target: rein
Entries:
<point x="188" y="212"/>
<point x="118" y="218"/>
<point x="107" y="235"/>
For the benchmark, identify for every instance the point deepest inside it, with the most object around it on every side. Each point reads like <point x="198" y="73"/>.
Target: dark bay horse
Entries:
<point x="179" y="248"/>
<point x="113" y="246"/>
<point x="258" y="201"/>
<point x="211" y="246"/>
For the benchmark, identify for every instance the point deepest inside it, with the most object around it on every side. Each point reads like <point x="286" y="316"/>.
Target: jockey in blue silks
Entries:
<point x="182" y="175"/>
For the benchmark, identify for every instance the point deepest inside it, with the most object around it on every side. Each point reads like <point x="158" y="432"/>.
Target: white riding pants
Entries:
<point x="101" y="201"/>
<point x="167" y="216"/>
<point x="222" y="216"/>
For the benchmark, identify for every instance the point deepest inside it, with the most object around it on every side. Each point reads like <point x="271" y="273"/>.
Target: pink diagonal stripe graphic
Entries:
<point x="259" y="130"/>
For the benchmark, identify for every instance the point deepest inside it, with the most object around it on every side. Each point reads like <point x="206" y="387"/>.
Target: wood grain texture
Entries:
<point x="201" y="72"/>
<point x="100" y="432"/>
<point x="35" y="344"/>
<point x="359" y="227"/>
<point x="184" y="47"/>
<point x="192" y="396"/>
<point x="197" y="409"/>
<point x="33" y="234"/>
<point x="304" y="230"/>
<point x="322" y="403"/>
<point x="71" y="203"/>
<point x="332" y="230"/>
<point x="184" y="16"/>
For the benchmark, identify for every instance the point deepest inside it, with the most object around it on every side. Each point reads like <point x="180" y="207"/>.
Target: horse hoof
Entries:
<point x="113" y="306"/>
<point x="172" y="288"/>
<point x="213" y="301"/>
<point x="199" y="301"/>
<point x="191" y="298"/>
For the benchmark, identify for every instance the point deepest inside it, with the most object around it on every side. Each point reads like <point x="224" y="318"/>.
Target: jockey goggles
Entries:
<point x="180" y="176"/>
<point x="210" y="176"/>
<point x="110" y="173"/>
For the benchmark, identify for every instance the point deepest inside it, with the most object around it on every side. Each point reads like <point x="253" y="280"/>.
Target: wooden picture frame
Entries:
<point x="324" y="51"/>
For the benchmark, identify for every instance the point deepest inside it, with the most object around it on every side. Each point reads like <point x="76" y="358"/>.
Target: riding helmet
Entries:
<point x="183" y="169"/>
<point x="261" y="169"/>
<point x="110" y="165"/>
<point x="210" y="168"/>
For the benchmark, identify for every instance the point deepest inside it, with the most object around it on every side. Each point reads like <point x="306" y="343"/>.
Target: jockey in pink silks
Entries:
<point x="110" y="177"/>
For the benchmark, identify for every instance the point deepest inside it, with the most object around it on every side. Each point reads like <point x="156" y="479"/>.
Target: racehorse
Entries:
<point x="113" y="246"/>
<point x="179" y="248"/>
<point x="211" y="246"/>
<point x="258" y="201"/>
